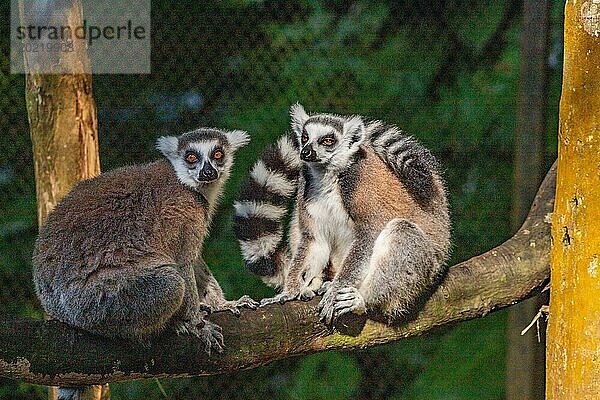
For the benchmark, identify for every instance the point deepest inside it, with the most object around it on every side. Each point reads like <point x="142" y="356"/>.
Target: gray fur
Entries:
<point x="120" y="255"/>
<point x="370" y="227"/>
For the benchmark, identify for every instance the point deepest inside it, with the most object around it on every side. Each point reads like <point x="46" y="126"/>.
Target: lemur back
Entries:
<point x="370" y="220"/>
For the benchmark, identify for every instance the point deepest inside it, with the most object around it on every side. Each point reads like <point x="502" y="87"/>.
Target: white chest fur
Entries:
<point x="332" y="226"/>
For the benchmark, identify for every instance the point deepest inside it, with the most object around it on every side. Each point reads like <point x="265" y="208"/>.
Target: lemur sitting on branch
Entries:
<point x="370" y="226"/>
<point x="120" y="255"/>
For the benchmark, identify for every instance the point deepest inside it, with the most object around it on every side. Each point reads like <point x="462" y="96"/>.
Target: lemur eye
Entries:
<point x="217" y="154"/>
<point x="304" y="138"/>
<point x="191" y="158"/>
<point x="328" y="141"/>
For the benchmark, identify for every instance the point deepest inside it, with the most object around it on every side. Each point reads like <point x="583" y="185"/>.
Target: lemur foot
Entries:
<point x="210" y="334"/>
<point x="280" y="298"/>
<point x="338" y="302"/>
<point x="212" y="337"/>
<point x="347" y="300"/>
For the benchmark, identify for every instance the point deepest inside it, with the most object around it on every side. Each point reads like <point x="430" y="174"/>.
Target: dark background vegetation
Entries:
<point x="445" y="71"/>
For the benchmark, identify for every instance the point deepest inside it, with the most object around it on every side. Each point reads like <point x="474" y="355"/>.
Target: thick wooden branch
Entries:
<point x="49" y="352"/>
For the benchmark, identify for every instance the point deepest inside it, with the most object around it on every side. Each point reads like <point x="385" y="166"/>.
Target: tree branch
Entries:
<point x="52" y="353"/>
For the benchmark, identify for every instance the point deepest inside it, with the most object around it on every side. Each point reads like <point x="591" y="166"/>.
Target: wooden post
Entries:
<point x="573" y="351"/>
<point x="64" y="131"/>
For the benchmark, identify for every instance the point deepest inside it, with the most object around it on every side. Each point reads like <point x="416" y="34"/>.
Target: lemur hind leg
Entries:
<point x="305" y="276"/>
<point x="347" y="279"/>
<point x="191" y="317"/>
<point x="401" y="267"/>
<point x="132" y="304"/>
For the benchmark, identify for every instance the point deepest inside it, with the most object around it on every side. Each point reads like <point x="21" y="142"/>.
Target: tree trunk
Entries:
<point x="573" y="353"/>
<point x="64" y="130"/>
<point x="525" y="358"/>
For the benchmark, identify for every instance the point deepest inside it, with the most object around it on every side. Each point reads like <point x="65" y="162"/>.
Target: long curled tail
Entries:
<point x="413" y="163"/>
<point x="262" y="207"/>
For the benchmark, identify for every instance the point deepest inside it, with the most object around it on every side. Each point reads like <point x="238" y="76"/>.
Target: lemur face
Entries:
<point x="319" y="142"/>
<point x="325" y="139"/>
<point x="202" y="156"/>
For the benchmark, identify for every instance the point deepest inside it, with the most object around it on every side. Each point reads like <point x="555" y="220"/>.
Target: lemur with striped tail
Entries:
<point x="370" y="226"/>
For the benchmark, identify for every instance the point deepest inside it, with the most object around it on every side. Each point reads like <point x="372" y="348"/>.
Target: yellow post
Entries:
<point x="573" y="350"/>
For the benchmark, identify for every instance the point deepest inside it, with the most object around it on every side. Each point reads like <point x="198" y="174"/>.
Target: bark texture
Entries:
<point x="63" y="124"/>
<point x="63" y="128"/>
<point x="573" y="352"/>
<point x="52" y="353"/>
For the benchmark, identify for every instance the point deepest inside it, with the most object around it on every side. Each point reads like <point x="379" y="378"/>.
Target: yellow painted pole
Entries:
<point x="573" y="349"/>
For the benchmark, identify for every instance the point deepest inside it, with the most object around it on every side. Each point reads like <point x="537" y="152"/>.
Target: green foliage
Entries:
<point x="318" y="377"/>
<point x="446" y="72"/>
<point x="468" y="353"/>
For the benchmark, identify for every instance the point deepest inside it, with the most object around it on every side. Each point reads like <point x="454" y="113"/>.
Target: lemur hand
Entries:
<point x="338" y="301"/>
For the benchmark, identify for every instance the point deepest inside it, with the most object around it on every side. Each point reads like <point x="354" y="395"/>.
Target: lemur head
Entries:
<point x="326" y="140"/>
<point x="203" y="156"/>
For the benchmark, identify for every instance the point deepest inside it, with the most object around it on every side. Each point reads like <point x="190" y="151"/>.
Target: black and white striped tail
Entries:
<point x="262" y="207"/>
<point x="412" y="162"/>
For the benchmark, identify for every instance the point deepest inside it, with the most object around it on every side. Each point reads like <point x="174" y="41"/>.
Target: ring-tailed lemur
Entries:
<point x="120" y="255"/>
<point x="370" y="227"/>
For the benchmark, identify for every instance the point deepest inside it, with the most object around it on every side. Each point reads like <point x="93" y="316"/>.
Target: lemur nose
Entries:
<point x="208" y="173"/>
<point x="308" y="153"/>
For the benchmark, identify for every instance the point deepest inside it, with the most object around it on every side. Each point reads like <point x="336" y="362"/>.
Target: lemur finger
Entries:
<point x="180" y="330"/>
<point x="234" y="310"/>
<point x="216" y="342"/>
<point x="340" y="312"/>
<point x="343" y="304"/>
<point x="326" y="314"/>
<point x="348" y="289"/>
<point x="345" y="296"/>
<point x="206" y="344"/>
<point x="330" y="316"/>
<point x="280" y="298"/>
<point x="266" y="302"/>
<point x="247" y="301"/>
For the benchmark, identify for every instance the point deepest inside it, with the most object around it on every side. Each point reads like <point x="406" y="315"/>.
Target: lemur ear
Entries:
<point x="237" y="138"/>
<point x="354" y="129"/>
<point x="167" y="145"/>
<point x="299" y="117"/>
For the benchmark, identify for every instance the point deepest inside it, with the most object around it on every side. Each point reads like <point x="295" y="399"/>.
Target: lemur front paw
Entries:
<point x="248" y="302"/>
<point x="231" y="306"/>
<point x="340" y="301"/>
<point x="210" y="334"/>
<point x="279" y="298"/>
